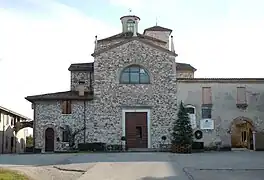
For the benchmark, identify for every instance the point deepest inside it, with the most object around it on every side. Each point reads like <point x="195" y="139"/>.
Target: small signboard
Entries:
<point x="206" y="124"/>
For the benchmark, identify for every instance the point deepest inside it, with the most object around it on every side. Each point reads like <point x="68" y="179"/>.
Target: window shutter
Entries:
<point x="241" y="95"/>
<point x="68" y="107"/>
<point x="64" y="107"/>
<point x="206" y="95"/>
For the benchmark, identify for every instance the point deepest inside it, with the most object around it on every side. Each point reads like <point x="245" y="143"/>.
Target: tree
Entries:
<point x="182" y="130"/>
<point x="71" y="134"/>
<point x="29" y="141"/>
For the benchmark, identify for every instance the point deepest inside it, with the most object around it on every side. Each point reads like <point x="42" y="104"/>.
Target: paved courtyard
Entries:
<point x="242" y="165"/>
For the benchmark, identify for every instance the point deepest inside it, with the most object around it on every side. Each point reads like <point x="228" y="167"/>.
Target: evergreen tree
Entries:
<point x="182" y="129"/>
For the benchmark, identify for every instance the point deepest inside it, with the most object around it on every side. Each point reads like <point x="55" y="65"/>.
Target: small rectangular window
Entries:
<point x="206" y="113"/>
<point x="65" y="136"/>
<point x="66" y="107"/>
<point x="241" y="95"/>
<point x="12" y="121"/>
<point x="206" y="95"/>
<point x="7" y="119"/>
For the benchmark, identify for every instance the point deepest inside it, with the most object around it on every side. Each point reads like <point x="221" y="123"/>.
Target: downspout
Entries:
<point x="34" y="125"/>
<point x="84" y="121"/>
<point x="3" y="133"/>
<point x="15" y="135"/>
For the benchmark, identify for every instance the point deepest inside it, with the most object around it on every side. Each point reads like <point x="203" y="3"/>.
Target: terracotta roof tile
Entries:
<point x="128" y="35"/>
<point x="221" y="80"/>
<point x="90" y="67"/>
<point x="157" y="28"/>
<point x="65" y="95"/>
<point x="81" y="67"/>
<point x="184" y="67"/>
<point x="131" y="39"/>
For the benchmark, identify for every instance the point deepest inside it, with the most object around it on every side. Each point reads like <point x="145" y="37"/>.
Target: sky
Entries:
<point x="39" y="39"/>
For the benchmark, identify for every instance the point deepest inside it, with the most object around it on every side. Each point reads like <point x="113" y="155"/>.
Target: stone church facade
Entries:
<point x="133" y="88"/>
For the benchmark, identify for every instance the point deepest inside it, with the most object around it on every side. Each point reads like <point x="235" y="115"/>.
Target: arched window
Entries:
<point x="191" y="112"/>
<point x="130" y="25"/>
<point x="134" y="75"/>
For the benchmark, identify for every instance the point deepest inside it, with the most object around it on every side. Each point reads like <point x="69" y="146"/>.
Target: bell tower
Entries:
<point x="130" y="23"/>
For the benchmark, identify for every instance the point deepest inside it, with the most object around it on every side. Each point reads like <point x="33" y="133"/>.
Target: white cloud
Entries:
<point x="36" y="52"/>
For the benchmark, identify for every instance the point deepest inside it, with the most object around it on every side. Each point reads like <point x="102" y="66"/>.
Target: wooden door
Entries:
<point x="136" y="130"/>
<point x="49" y="140"/>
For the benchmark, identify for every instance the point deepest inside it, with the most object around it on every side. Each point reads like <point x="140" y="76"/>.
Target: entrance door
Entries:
<point x="241" y="136"/>
<point x="49" y="140"/>
<point x="136" y="130"/>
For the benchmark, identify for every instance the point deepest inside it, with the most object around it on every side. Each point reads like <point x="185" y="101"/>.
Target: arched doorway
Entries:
<point x="49" y="140"/>
<point x="241" y="133"/>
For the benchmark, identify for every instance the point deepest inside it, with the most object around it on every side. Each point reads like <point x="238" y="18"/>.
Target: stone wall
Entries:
<point x="77" y="76"/>
<point x="48" y="114"/>
<point x="112" y="97"/>
<point x="224" y="110"/>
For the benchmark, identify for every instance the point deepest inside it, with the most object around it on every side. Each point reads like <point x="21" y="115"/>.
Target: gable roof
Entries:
<point x="81" y="67"/>
<point x="128" y="35"/>
<point x="157" y="28"/>
<point x="222" y="80"/>
<point x="184" y="67"/>
<point x="3" y="109"/>
<point x="65" y="95"/>
<point x="132" y="39"/>
<point x="90" y="67"/>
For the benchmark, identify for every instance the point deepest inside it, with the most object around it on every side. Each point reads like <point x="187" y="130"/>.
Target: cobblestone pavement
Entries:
<point x="242" y="165"/>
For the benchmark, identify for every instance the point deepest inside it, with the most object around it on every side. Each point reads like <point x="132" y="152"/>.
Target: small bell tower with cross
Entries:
<point x="130" y="23"/>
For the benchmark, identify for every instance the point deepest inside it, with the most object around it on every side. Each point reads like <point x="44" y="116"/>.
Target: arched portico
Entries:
<point x="241" y="129"/>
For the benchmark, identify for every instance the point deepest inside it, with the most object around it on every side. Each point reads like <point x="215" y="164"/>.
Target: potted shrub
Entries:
<point x="182" y="135"/>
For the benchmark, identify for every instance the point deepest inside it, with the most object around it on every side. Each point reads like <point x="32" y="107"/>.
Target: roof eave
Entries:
<point x="131" y="39"/>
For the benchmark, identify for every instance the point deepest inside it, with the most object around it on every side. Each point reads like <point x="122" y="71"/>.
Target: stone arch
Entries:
<point x="51" y="126"/>
<point x="241" y="131"/>
<point x="241" y="119"/>
<point x="120" y="70"/>
<point x="24" y="124"/>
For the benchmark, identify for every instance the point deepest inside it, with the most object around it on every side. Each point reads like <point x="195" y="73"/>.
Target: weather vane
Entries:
<point x="156" y="21"/>
<point x="130" y="10"/>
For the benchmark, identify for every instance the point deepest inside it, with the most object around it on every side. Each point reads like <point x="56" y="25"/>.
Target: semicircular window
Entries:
<point x="134" y="75"/>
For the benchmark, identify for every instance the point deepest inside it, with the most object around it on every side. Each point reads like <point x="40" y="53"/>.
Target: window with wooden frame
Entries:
<point x="66" y="107"/>
<point x="206" y="95"/>
<point x="241" y="95"/>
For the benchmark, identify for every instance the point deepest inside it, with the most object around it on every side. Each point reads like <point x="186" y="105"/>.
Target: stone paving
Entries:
<point x="243" y="165"/>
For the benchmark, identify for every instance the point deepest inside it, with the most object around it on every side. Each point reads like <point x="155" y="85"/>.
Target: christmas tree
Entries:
<point x="182" y="129"/>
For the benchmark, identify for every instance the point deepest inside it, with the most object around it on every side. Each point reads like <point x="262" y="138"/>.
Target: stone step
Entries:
<point x="142" y="150"/>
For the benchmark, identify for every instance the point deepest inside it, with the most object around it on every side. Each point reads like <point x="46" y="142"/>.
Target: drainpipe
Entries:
<point x="84" y="121"/>
<point x="3" y="133"/>
<point x="254" y="140"/>
<point x="34" y="127"/>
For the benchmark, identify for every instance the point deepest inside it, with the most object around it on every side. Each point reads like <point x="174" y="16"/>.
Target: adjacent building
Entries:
<point x="133" y="89"/>
<point x="12" y="140"/>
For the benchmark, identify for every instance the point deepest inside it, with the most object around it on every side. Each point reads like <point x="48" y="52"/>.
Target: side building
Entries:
<point x="12" y="140"/>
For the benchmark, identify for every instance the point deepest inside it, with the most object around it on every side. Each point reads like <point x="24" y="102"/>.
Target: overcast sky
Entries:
<point x="39" y="39"/>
